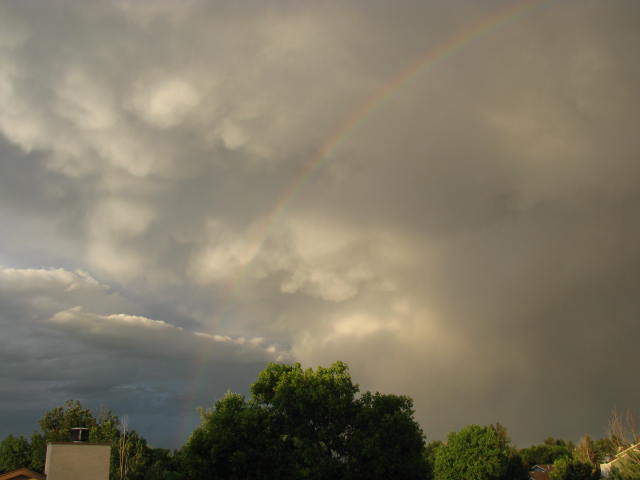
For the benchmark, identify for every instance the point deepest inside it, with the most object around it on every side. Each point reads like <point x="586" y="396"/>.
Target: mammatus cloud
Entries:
<point x="470" y="241"/>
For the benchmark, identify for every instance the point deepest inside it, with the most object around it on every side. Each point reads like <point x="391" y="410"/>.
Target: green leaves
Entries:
<point x="543" y="454"/>
<point x="567" y="468"/>
<point x="15" y="452"/>
<point x="306" y="424"/>
<point x="56" y="424"/>
<point x="476" y="453"/>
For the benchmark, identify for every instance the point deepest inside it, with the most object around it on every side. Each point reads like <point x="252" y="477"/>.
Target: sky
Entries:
<point x="442" y="194"/>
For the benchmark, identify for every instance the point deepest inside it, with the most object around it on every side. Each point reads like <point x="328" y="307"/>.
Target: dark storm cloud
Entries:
<point x="57" y="350"/>
<point x="470" y="242"/>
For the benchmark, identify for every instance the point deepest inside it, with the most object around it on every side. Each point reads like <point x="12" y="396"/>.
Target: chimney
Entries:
<point x="79" y="434"/>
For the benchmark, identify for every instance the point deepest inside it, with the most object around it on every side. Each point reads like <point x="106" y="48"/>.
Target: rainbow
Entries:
<point x="511" y="12"/>
<point x="483" y="26"/>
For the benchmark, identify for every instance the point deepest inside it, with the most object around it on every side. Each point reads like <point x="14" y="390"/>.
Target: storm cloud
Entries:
<point x="442" y="194"/>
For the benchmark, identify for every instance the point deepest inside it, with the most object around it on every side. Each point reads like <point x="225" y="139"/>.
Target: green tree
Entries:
<point x="543" y="454"/>
<point x="555" y="441"/>
<point x="477" y="453"/>
<point x="429" y="456"/>
<point x="237" y="439"/>
<point x="130" y="455"/>
<point x="385" y="441"/>
<point x="585" y="451"/>
<point x="56" y="424"/>
<point x="516" y="467"/>
<point x="313" y="410"/>
<point x="133" y="456"/>
<point x="619" y="472"/>
<point x="624" y="433"/>
<point x="161" y="465"/>
<point x="604" y="449"/>
<point x="15" y="452"/>
<point x="306" y="424"/>
<point x="38" y="452"/>
<point x="567" y="468"/>
<point x="106" y="427"/>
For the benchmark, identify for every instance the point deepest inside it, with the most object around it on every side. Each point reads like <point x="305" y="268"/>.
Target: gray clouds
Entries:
<point x="472" y="242"/>
<point x="55" y="349"/>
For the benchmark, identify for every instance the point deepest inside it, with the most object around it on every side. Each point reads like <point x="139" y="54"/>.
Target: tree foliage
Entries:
<point x="306" y="424"/>
<point x="567" y="468"/>
<point x="543" y="454"/>
<point x="585" y="450"/>
<point x="604" y="449"/>
<point x="429" y="455"/>
<point x="478" y="453"/>
<point x="624" y="433"/>
<point x="15" y="452"/>
<point x="131" y="457"/>
<point x="56" y="424"/>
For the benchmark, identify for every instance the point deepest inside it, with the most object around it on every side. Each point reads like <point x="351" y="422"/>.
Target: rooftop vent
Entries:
<point x="79" y="434"/>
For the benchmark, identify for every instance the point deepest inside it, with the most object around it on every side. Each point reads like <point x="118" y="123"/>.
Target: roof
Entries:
<point x="79" y="443"/>
<point x="605" y="468"/>
<point x="540" y="472"/>
<point x="22" y="474"/>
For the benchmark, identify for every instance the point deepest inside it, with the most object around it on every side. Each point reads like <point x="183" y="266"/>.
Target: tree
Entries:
<point x="237" y="439"/>
<point x="56" y="424"/>
<point x="543" y="454"/>
<point x="15" y="452"/>
<point x="516" y="467"/>
<point x="313" y="410"/>
<point x="132" y="454"/>
<point x="106" y="427"/>
<point x="306" y="424"/>
<point x="604" y="449"/>
<point x="161" y="465"/>
<point x="429" y="456"/>
<point x="38" y="452"/>
<point x="585" y="453"/>
<point x="129" y="451"/>
<point x="625" y="438"/>
<point x="567" y="468"/>
<point x="385" y="442"/>
<point x="477" y="453"/>
<point x="555" y="441"/>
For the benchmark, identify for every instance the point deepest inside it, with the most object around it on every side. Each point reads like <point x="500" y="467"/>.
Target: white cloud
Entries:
<point x="45" y="291"/>
<point x="165" y="103"/>
<point x="84" y="101"/>
<point x="150" y="338"/>
<point x="117" y="218"/>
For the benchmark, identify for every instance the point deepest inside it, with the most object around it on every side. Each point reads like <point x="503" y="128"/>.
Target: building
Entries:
<point x="22" y="474"/>
<point x="630" y="454"/>
<point x="77" y="461"/>
<point x="540" y="472"/>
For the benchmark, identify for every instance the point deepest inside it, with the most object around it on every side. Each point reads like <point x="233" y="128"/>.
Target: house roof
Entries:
<point x="22" y="474"/>
<point x="605" y="468"/>
<point x="540" y="472"/>
<point x="626" y="451"/>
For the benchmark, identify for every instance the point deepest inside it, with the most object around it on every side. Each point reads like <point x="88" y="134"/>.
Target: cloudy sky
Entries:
<point x="443" y="194"/>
